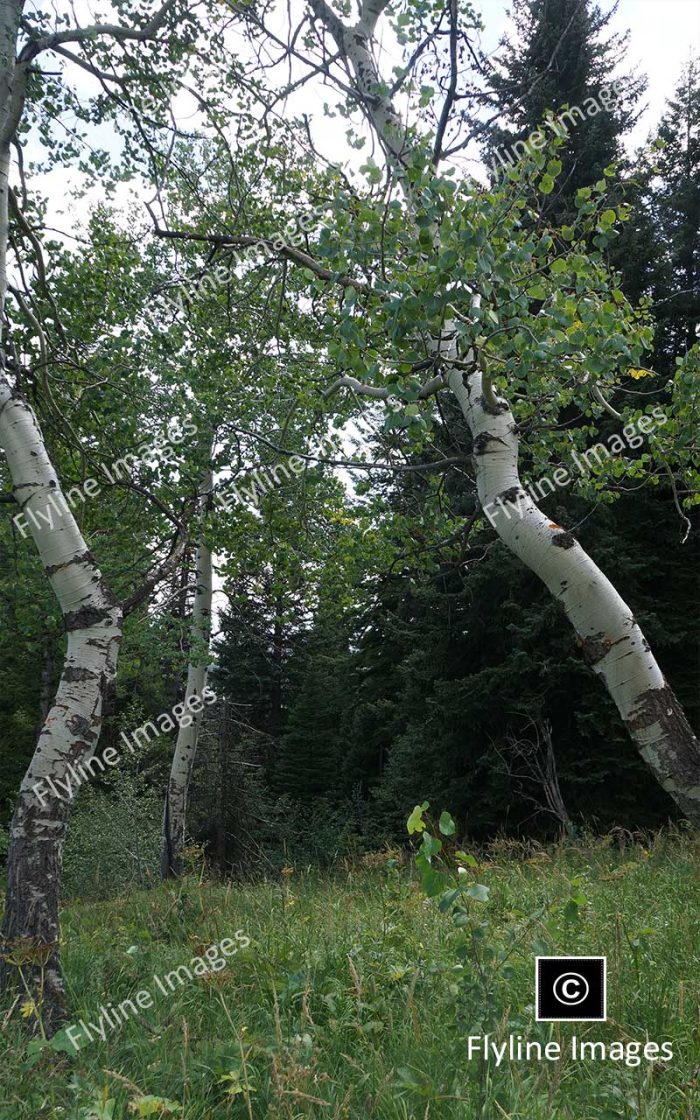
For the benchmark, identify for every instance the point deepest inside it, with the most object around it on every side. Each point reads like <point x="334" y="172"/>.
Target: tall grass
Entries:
<point x="350" y="1001"/>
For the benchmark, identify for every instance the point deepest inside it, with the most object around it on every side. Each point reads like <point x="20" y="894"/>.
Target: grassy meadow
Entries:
<point x="357" y="994"/>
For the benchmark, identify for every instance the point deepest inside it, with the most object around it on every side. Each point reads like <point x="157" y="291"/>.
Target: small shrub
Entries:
<point x="114" y="837"/>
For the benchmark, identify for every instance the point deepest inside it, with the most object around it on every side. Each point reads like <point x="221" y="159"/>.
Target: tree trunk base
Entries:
<point x="30" y="945"/>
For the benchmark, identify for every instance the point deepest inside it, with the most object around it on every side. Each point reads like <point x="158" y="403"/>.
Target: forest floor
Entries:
<point x="356" y="995"/>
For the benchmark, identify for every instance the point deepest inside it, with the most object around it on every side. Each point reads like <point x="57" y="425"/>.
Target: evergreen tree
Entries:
<point x="559" y="58"/>
<point x="675" y="199"/>
<point x="253" y="651"/>
<point x="313" y="748"/>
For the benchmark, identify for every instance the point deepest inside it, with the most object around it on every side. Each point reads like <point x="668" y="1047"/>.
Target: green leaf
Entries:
<point x="448" y="258"/>
<point x="571" y="911"/>
<point x="479" y="892"/>
<point x="446" y="824"/>
<point x="36" y="1045"/>
<point x="61" y="1043"/>
<point x="415" y="822"/>
<point x="372" y="172"/>
<point x="425" y="238"/>
<point x="431" y="846"/>
<point x="546" y="184"/>
<point x="154" y="1106"/>
<point x="406" y="1078"/>
<point x="447" y="899"/>
<point x="537" y="291"/>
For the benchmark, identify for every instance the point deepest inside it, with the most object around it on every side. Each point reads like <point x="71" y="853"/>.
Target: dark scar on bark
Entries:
<point x="659" y="705"/>
<point x="511" y="495"/>
<point x="596" y="646"/>
<point x="564" y="540"/>
<point x="78" y="725"/>
<point x="482" y="441"/>
<point x="84" y="618"/>
<point x="73" y="673"/>
<point x="493" y="410"/>
<point x="80" y="558"/>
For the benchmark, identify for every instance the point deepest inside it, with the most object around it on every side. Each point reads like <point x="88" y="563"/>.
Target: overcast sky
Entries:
<point x="663" y="36"/>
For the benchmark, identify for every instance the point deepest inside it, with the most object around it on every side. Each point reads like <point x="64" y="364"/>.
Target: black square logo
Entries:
<point x="570" y="988"/>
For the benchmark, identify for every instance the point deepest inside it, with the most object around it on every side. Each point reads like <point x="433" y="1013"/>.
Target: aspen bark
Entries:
<point x="91" y="615"/>
<point x="93" y="623"/>
<point x="606" y="631"/>
<point x="175" y="810"/>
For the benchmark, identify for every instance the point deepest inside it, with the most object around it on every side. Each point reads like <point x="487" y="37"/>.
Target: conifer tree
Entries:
<point x="314" y="745"/>
<point x="558" y="58"/>
<point x="676" y="211"/>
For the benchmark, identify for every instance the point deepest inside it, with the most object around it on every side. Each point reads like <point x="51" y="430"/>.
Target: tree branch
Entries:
<point x="452" y="88"/>
<point x="354" y="464"/>
<point x="160" y="572"/>
<point x="347" y="382"/>
<point x="370" y="12"/>
<point x="602" y="401"/>
<point x="96" y="31"/>
<point x="247" y="242"/>
<point x="89" y="68"/>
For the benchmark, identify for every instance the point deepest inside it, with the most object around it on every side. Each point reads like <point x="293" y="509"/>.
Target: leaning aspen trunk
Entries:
<point x="31" y="932"/>
<point x="175" y="811"/>
<point x="609" y="638"/>
<point x="93" y="623"/>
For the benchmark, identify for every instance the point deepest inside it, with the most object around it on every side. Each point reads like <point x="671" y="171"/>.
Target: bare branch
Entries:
<point x="347" y="382"/>
<point x="354" y="46"/>
<point x="160" y="572"/>
<point x="89" y="68"/>
<point x="686" y="522"/>
<point x="353" y="464"/>
<point x="602" y="401"/>
<point x="289" y="252"/>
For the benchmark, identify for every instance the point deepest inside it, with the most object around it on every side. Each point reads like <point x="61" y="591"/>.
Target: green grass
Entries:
<point x="352" y="1002"/>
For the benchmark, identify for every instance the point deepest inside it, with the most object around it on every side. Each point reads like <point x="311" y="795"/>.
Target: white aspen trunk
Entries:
<point x="607" y="633"/>
<point x="93" y="622"/>
<point x="175" y="811"/>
